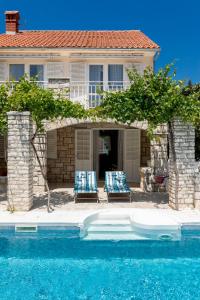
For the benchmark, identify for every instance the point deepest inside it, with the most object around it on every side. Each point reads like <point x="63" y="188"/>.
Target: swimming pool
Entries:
<point x="55" y="264"/>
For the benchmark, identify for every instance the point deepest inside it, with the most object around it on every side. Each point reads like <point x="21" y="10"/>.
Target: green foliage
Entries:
<point x="154" y="97"/>
<point x="43" y="104"/>
<point x="4" y="108"/>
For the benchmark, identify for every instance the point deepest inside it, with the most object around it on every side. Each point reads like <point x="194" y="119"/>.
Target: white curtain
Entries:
<point x="96" y="73"/>
<point x="115" y="75"/>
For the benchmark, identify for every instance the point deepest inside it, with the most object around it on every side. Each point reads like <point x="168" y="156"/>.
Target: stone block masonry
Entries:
<point x="20" y="161"/>
<point x="61" y="169"/>
<point x="184" y="177"/>
<point x="41" y="147"/>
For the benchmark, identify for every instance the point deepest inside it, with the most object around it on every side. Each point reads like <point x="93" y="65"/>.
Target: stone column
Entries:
<point x="20" y="161"/>
<point x="159" y="159"/>
<point x="41" y="146"/>
<point x="158" y="149"/>
<point x="182" y="171"/>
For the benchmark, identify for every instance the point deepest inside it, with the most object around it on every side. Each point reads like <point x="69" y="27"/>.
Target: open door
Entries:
<point x="132" y="154"/>
<point x="83" y="150"/>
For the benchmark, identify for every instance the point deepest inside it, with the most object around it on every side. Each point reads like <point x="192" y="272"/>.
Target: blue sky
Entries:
<point x="173" y="24"/>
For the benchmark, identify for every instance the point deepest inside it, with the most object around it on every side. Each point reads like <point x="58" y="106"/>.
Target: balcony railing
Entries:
<point x="86" y="93"/>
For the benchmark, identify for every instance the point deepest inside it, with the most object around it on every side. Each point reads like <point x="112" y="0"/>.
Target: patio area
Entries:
<point x="62" y="199"/>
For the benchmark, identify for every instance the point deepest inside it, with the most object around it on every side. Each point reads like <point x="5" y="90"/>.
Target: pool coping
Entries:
<point x="149" y="218"/>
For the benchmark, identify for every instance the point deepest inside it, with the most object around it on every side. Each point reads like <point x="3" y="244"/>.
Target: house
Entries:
<point x="84" y="61"/>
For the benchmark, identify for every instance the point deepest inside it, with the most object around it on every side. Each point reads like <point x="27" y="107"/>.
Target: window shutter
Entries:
<point x="52" y="144"/>
<point x="78" y="85"/>
<point x="57" y="70"/>
<point x="83" y="150"/>
<point x="78" y="72"/>
<point x="132" y="154"/>
<point x="2" y="147"/>
<point x="3" y="71"/>
<point x="138" y="66"/>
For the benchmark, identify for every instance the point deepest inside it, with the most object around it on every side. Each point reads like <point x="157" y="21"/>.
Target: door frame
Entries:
<point x="97" y="164"/>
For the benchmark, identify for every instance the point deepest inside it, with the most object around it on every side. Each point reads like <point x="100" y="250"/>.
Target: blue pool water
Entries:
<point x="56" y="264"/>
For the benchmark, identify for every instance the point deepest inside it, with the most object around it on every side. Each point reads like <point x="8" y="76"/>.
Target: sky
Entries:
<point x="173" y="24"/>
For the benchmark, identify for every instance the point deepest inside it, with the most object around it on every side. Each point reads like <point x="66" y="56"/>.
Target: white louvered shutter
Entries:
<point x="52" y="144"/>
<point x="78" y="85"/>
<point x="83" y="151"/>
<point x="78" y="72"/>
<point x="138" y="66"/>
<point x="57" y="70"/>
<point x="3" y="71"/>
<point x="132" y="154"/>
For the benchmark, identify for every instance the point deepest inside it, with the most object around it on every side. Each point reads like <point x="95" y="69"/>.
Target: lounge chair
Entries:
<point x="85" y="186"/>
<point x="116" y="183"/>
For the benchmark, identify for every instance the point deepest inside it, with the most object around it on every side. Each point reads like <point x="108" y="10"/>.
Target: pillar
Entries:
<point x="20" y="161"/>
<point x="182" y="170"/>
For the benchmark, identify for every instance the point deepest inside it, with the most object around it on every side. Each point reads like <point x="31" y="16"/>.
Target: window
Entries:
<point x="96" y="84"/>
<point x="37" y="72"/>
<point x="115" y="76"/>
<point x="16" y="71"/>
<point x="96" y="73"/>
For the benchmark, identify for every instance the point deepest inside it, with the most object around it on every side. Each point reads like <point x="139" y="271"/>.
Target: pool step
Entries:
<point x="115" y="237"/>
<point x="110" y="227"/>
<point x="113" y="222"/>
<point x="120" y="226"/>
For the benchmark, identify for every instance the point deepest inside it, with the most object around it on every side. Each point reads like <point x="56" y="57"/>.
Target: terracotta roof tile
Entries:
<point x="130" y="39"/>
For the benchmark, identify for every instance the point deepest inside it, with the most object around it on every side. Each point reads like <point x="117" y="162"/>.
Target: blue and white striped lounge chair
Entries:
<point x="85" y="186"/>
<point x="116" y="183"/>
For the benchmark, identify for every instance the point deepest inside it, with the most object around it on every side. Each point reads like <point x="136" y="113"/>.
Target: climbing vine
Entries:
<point x="156" y="98"/>
<point x="43" y="104"/>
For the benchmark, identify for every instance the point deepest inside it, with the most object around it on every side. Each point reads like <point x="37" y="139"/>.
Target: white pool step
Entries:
<point x="107" y="226"/>
<point x="120" y="226"/>
<point x="113" y="216"/>
<point x="111" y="222"/>
<point x="115" y="237"/>
<point x="111" y="228"/>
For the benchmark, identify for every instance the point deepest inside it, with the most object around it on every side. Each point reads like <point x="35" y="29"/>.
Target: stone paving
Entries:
<point x="62" y="199"/>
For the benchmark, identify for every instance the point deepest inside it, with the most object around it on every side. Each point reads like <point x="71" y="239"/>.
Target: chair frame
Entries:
<point x="128" y="194"/>
<point x="95" y="193"/>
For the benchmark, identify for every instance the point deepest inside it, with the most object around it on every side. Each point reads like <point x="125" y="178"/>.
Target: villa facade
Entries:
<point x="79" y="63"/>
<point x="83" y="61"/>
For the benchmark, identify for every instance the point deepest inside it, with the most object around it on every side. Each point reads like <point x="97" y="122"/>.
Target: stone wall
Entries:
<point x="20" y="161"/>
<point x="159" y="151"/>
<point x="62" y="169"/>
<point x="41" y="147"/>
<point x="183" y="179"/>
<point x="145" y="149"/>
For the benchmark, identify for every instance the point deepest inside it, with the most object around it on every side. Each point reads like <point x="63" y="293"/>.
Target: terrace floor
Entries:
<point x="62" y="199"/>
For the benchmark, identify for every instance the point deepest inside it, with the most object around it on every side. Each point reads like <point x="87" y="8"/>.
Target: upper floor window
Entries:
<point x="96" y="73"/>
<point x="16" y="71"/>
<point x="115" y="74"/>
<point x="37" y="72"/>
